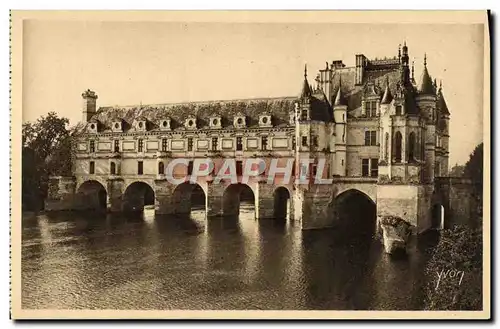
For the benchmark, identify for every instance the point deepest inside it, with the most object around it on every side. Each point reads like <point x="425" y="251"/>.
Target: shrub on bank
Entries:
<point x="454" y="272"/>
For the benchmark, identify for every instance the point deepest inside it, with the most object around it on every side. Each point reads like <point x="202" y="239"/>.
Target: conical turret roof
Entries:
<point x="306" y="89"/>
<point x="339" y="99"/>
<point x="387" y="98"/>
<point x="442" y="103"/>
<point x="426" y="87"/>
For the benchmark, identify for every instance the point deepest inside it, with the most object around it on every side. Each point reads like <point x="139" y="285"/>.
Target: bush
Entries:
<point x="454" y="272"/>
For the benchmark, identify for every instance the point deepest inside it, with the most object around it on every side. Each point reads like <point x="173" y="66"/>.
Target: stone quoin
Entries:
<point x="377" y="133"/>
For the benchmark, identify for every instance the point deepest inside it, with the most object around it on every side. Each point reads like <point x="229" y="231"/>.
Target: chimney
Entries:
<point x="361" y="62"/>
<point x="89" y="104"/>
<point x="338" y="64"/>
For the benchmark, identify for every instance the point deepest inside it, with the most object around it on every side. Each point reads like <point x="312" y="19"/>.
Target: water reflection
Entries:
<point x="142" y="261"/>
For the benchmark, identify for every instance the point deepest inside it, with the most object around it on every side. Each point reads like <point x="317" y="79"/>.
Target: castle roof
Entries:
<point x="441" y="103"/>
<point x="339" y="98"/>
<point x="388" y="75"/>
<point x="387" y="98"/>
<point x="279" y="109"/>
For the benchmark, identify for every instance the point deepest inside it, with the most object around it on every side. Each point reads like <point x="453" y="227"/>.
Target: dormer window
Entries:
<point x="190" y="123"/>
<point x="265" y="120"/>
<point x="165" y="124"/>
<point x="140" y="124"/>
<point x="240" y="121"/>
<point x="92" y="127"/>
<point x="117" y="126"/>
<point x="215" y="122"/>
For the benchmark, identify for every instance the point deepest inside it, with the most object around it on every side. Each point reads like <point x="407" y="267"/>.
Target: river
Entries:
<point x="103" y="261"/>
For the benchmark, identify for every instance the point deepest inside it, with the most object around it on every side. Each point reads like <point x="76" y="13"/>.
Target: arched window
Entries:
<point x="112" y="168"/>
<point x="398" y="146"/>
<point x="161" y="168"/>
<point x="386" y="146"/>
<point x="411" y="146"/>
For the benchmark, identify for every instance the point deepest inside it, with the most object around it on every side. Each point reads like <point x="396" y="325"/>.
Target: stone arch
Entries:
<point x="92" y="194"/>
<point x="187" y="196"/>
<point x="355" y="213"/>
<point x="137" y="195"/>
<point x="233" y="195"/>
<point x="282" y="203"/>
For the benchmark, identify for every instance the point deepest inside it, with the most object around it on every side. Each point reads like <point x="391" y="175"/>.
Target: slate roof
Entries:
<point x="278" y="108"/>
<point x="354" y="93"/>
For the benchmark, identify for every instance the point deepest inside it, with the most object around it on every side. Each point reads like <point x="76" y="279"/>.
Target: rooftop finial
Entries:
<point x="425" y="59"/>
<point x="305" y="71"/>
<point x="413" y="70"/>
<point x="405" y="43"/>
<point x="399" y="52"/>
<point x="440" y="84"/>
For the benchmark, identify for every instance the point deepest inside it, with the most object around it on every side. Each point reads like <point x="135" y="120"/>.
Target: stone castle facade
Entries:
<point x="380" y="132"/>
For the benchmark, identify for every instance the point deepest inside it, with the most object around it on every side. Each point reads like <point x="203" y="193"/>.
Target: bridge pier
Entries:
<point x="214" y="196"/>
<point x="115" y="194"/>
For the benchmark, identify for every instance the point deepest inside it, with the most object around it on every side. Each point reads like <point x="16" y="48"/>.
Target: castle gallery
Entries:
<point x="382" y="133"/>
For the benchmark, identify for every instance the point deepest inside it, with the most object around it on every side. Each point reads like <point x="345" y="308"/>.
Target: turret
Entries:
<point x="340" y="116"/>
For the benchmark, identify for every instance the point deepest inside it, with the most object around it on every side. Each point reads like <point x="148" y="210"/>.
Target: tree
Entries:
<point x="47" y="151"/>
<point x="454" y="272"/>
<point x="474" y="170"/>
<point x="457" y="171"/>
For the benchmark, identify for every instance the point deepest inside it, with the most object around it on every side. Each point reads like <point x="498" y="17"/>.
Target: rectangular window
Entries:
<point x="264" y="143"/>
<point x="374" y="168"/>
<point x="140" y="145"/>
<point x="304" y="140"/>
<point x="92" y="167"/>
<point x="140" y="168"/>
<point x="304" y="114"/>
<point x="239" y="143"/>
<point x="315" y="141"/>
<point x="314" y="169"/>
<point x="398" y="110"/>
<point x="365" y="167"/>
<point x="214" y="143"/>
<point x="294" y="142"/>
<point x="190" y="168"/>
<point x="371" y="138"/>
<point x="92" y="146"/>
<point x="239" y="168"/>
<point x="371" y="109"/>
<point x="117" y="145"/>
<point x="164" y="144"/>
<point x="190" y="143"/>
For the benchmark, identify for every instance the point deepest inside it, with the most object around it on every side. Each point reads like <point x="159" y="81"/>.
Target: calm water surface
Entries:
<point x="99" y="261"/>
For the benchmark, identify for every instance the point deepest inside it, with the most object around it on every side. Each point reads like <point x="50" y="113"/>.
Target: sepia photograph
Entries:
<point x="250" y="164"/>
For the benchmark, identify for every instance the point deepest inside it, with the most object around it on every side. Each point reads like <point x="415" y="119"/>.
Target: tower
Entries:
<point x="426" y="101"/>
<point x="89" y="104"/>
<point x="340" y="116"/>
<point x="444" y="129"/>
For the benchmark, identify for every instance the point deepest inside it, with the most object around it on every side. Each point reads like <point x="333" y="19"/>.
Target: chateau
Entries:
<point x="383" y="134"/>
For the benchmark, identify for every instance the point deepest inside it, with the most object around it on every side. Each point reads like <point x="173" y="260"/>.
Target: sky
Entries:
<point x="129" y="63"/>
